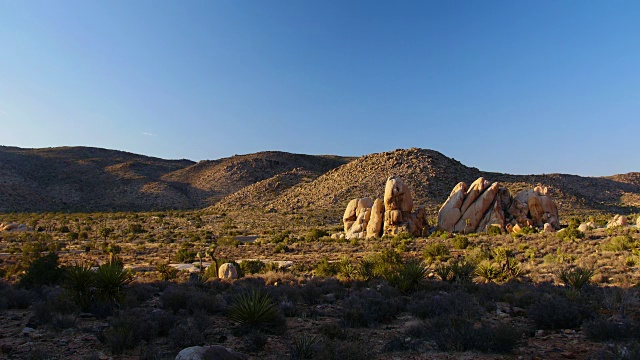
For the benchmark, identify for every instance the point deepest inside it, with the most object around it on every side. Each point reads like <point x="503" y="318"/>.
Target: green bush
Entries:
<point x="436" y="252"/>
<point x="185" y="255"/>
<point x="619" y="243"/>
<point x="494" y="230"/>
<point x="460" y="242"/>
<point x="42" y="271"/>
<point x="326" y="269"/>
<point x="315" y="234"/>
<point x="570" y="234"/>
<point x="252" y="267"/>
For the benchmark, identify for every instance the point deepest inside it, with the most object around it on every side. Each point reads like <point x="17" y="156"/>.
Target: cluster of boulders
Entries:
<point x="14" y="227"/>
<point x="367" y="218"/>
<point x="475" y="208"/>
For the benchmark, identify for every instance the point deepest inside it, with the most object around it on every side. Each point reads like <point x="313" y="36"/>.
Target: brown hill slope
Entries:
<point x="208" y="181"/>
<point x="431" y="176"/>
<point x="92" y="179"/>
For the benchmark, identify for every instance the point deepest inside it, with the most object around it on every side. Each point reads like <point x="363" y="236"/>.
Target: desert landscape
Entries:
<point x="406" y="254"/>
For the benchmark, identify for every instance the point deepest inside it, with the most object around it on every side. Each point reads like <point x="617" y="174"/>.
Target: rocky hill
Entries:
<point x="430" y="175"/>
<point x="92" y="179"/>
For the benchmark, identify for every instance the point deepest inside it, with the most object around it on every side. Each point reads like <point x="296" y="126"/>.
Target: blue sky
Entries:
<point x="512" y="86"/>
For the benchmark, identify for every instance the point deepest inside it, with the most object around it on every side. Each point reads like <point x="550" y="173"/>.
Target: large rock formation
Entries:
<point x="483" y="204"/>
<point x="365" y="218"/>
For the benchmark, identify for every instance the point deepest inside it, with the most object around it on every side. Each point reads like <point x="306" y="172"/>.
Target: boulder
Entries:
<point x="214" y="352"/>
<point x="477" y="187"/>
<point x="493" y="217"/>
<point x="376" y="220"/>
<point x="227" y="271"/>
<point x="450" y="212"/>
<point x="356" y="216"/>
<point x="548" y="227"/>
<point x="586" y="226"/>
<point x="397" y="195"/>
<point x="470" y="219"/>
<point x="618" y="220"/>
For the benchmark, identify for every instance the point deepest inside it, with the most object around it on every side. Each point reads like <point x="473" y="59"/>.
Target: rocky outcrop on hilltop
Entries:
<point x="473" y="208"/>
<point x="366" y="218"/>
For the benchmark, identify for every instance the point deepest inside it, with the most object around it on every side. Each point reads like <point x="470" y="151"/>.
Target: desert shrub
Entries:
<point x="125" y="332"/>
<point x="42" y="271"/>
<point x="185" y="255"/>
<point x="167" y="272"/>
<point x="162" y="321"/>
<point x="186" y="334"/>
<point x="252" y="267"/>
<point x="256" y="309"/>
<point x="281" y="248"/>
<point x="254" y="341"/>
<point x="570" y="233"/>
<point x="342" y="350"/>
<point x="461" y="334"/>
<point x="363" y="308"/>
<point x="15" y="298"/>
<point x="313" y="291"/>
<point x="386" y="263"/>
<point x="135" y="229"/>
<point x="494" y="230"/>
<point x="576" y="278"/>
<point x="326" y="268"/>
<point x="110" y="280"/>
<point x="73" y="236"/>
<point x="191" y="299"/>
<point x="619" y="243"/>
<point x="315" y="234"/>
<point x="618" y="352"/>
<point x="332" y="330"/>
<point x="605" y="330"/>
<point x="436" y="252"/>
<point x="460" y="242"/>
<point x="429" y="305"/>
<point x="555" y="312"/>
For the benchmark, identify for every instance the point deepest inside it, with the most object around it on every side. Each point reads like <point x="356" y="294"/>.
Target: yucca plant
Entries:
<point x="444" y="271"/>
<point x="255" y="309"/>
<point x="365" y="269"/>
<point x="111" y="278"/>
<point x="576" y="278"/>
<point x="79" y="281"/>
<point x="303" y="346"/>
<point x="487" y="272"/>
<point x="462" y="271"/>
<point x="346" y="268"/>
<point x="409" y="276"/>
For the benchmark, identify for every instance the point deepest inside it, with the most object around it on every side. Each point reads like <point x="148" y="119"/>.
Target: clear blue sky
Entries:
<point x="511" y="86"/>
